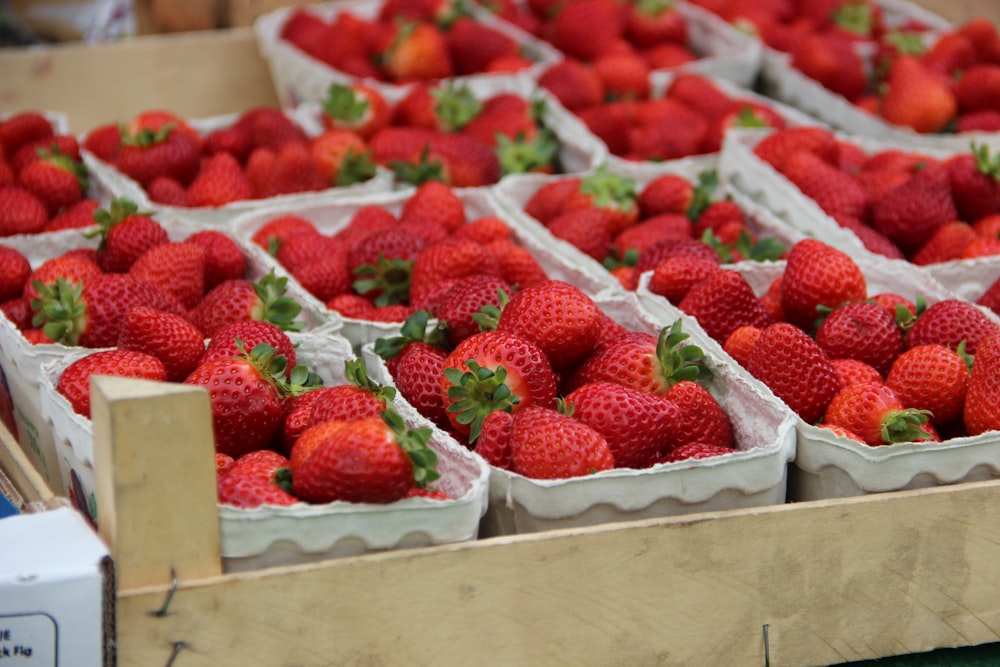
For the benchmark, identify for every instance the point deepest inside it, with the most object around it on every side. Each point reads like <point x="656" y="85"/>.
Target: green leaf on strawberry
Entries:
<point x="521" y="156"/>
<point x="356" y="373"/>
<point x="455" y="105"/>
<point x="389" y="276"/>
<point x="414" y="443"/>
<point x="478" y="392"/>
<point x="679" y="359"/>
<point x="708" y="183"/>
<point x="276" y="307"/>
<point x="413" y="330"/>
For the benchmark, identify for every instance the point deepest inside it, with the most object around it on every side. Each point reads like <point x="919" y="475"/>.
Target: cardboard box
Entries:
<point x="56" y="592"/>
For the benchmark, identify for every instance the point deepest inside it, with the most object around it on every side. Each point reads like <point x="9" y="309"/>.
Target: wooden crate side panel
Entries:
<point x="833" y="581"/>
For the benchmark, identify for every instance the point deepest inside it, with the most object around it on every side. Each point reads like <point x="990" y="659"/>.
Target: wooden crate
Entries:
<point x="794" y="585"/>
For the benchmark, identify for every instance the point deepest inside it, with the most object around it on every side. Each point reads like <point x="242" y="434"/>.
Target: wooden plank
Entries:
<point x="832" y="580"/>
<point x="154" y="469"/>
<point x="959" y="11"/>
<point x="27" y="481"/>
<point x="195" y="74"/>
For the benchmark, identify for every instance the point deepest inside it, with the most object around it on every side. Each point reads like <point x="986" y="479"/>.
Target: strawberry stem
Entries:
<point x="415" y="443"/>
<point x="679" y="360"/>
<point x="413" y="330"/>
<point x="478" y="392"/>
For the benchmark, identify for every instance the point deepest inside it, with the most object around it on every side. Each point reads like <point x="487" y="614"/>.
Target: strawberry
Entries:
<point x="21" y="212"/>
<point x="220" y="182"/>
<point x="947" y="244"/>
<point x="795" y="368"/>
<point x="436" y="202"/>
<point x="977" y="88"/>
<point x="15" y="270"/>
<point x="251" y="332"/>
<point x="72" y="268"/>
<point x="417" y="376"/>
<point x="298" y="250"/>
<point x="665" y="130"/>
<point x="949" y="322"/>
<point x="624" y="75"/>
<point x="324" y="278"/>
<point x="450" y="259"/>
<point x="269" y="127"/>
<point x="973" y="178"/>
<point x="740" y="343"/>
<point x="817" y="274"/>
<point x="104" y="141"/>
<point x="299" y="433"/>
<point x="175" y="267"/>
<point x="654" y="21"/>
<point x="358" y="398"/>
<point x="642" y="361"/>
<point x="461" y="160"/>
<point x="56" y="179"/>
<point x="341" y="158"/>
<point x="92" y="313"/>
<point x="248" y="491"/>
<point x="381" y="262"/>
<point x="557" y="317"/>
<point x="864" y="331"/>
<point x="23" y="128"/>
<point x="372" y="460"/>
<point x="982" y="407"/>
<point x="609" y="192"/>
<point x="493" y="443"/>
<point x="62" y="144"/>
<point x="875" y="413"/>
<point x="631" y="242"/>
<point x="637" y="426"/>
<point x="310" y="168"/>
<point x="473" y="45"/>
<point x="165" y="151"/>
<point x="932" y="378"/>
<point x="168" y="337"/>
<point x="850" y="371"/>
<point x="584" y="29"/>
<point x="546" y="444"/>
<point x="125" y="235"/>
<point x="836" y="192"/>
<point x="223" y="463"/>
<point x="245" y="394"/>
<point x="665" y="249"/>
<point x="240" y="299"/>
<point x="223" y="258"/>
<point x="664" y="194"/>
<point x="484" y="230"/>
<point x="460" y="308"/>
<point x="573" y="83"/>
<point x="418" y="51"/>
<point x="833" y="61"/>
<point x="696" y="451"/>
<point x="356" y="107"/>
<point x="516" y="264"/>
<point x="235" y="140"/>
<point x="722" y="302"/>
<point x="778" y="146"/>
<point x="917" y="98"/>
<point x="911" y="213"/>
<point x="701" y="419"/>
<point x="167" y="191"/>
<point x="74" y="380"/>
<point x="982" y="32"/>
<point x="493" y="370"/>
<point x="590" y="230"/>
<point x="546" y="203"/>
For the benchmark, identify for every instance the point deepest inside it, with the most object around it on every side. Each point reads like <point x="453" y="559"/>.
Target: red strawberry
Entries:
<point x="516" y="264"/>
<point x="838" y="193"/>
<point x="23" y="128"/>
<point x="174" y="267"/>
<point x="473" y="45"/>
<point x="436" y="202"/>
<point x="417" y="376"/>
<point x="73" y="268"/>
<point x="624" y="75"/>
<point x="949" y="322"/>
<point x="341" y="158"/>
<point x="973" y="177"/>
<point x="917" y="98"/>
<point x="778" y="146"/>
<point x="875" y="413"/>
<point x="911" y="213"/>
<point x="356" y="107"/>
<point x="933" y="378"/>
<point x="270" y="128"/>
<point x="372" y="460"/>
<point x="167" y="191"/>
<point x="223" y="258"/>
<point x="245" y="398"/>
<point x="240" y="299"/>
<point x="125" y="235"/>
<point x="307" y="168"/>
<point x="947" y="244"/>
<point x="493" y="443"/>
<point x="358" y="398"/>
<point x="461" y="307"/>
<point x="608" y="192"/>
<point x="168" y="337"/>
<point x="584" y="29"/>
<point x="654" y="22"/>
<point x="557" y="317"/>
<point x="863" y="331"/>
<point x="491" y="371"/>
<point x="666" y="193"/>
<point x="78" y="216"/>
<point x="14" y="272"/>
<point x="223" y="463"/>
<point x="277" y="230"/>
<point x="546" y="444"/>
<point x="590" y="230"/>
<point x="701" y="419"/>
<point x="104" y="141"/>
<point x="573" y="83"/>
<point x="20" y="212"/>
<point x="817" y="274"/>
<point x="74" y="380"/>
<point x="546" y="203"/>
<point x="381" y="263"/>
<point x="248" y="491"/>
<point x="484" y="230"/>
<point x="638" y="427"/>
<point x="56" y="179"/>
<point x="161" y="152"/>
<point x="298" y="250"/>
<point x="740" y="343"/>
<point x="850" y="371"/>
<point x="221" y="181"/>
<point x="695" y="451"/>
<point x="982" y="399"/>
<point x="299" y="434"/>
<point x="447" y="260"/>
<point x="665" y="130"/>
<point x="251" y="333"/>
<point x="661" y="251"/>
<point x="418" y="51"/>
<point x="325" y="277"/>
<point x="795" y="368"/>
<point x="832" y="61"/>
<point x="235" y="140"/>
<point x="628" y="245"/>
<point x="977" y="88"/>
<point x="723" y="301"/>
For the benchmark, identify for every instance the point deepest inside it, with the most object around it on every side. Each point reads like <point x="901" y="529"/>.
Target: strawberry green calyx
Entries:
<point x="414" y="441"/>
<point x="906" y="319"/>
<point x="120" y="209"/>
<point x="413" y="330"/>
<point x="985" y="163"/>
<point x="419" y="172"/>
<point x="146" y="136"/>
<point x="905" y="426"/>
<point x="65" y="162"/>
<point x="478" y="392"/>
<point x="272" y="367"/>
<point x="489" y="315"/>
<point x="357" y="374"/>
<point x="389" y="276"/>
<point x="274" y="306"/>
<point x="763" y="250"/>
<point x="609" y="189"/>
<point x="906" y="42"/>
<point x="301" y="380"/>
<point x="455" y="105"/>
<point x="654" y="7"/>
<point x="521" y="156"/>
<point x="342" y="102"/>
<point x="855" y="18"/>
<point x="708" y="183"/>
<point x="966" y="357"/>
<point x="356" y="168"/>
<point x="679" y="360"/>
<point x="60" y="310"/>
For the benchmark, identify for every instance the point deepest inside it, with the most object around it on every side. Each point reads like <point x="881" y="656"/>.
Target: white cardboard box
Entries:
<point x="56" y="592"/>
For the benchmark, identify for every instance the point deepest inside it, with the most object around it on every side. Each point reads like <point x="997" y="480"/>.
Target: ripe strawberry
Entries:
<point x="911" y="213"/>
<point x="436" y="202"/>
<point x="340" y="157"/>
<point x="63" y="144"/>
<point x="493" y="370"/>
<point x="20" y="212"/>
<point x="251" y="333"/>
<point x="740" y="343"/>
<point x="932" y="378"/>
<point x="590" y="230"/>
<point x="223" y="258"/>
<point x="240" y="299"/>
<point x="381" y="263"/>
<point x="270" y="127"/>
<point x="23" y="128"/>
<point x="248" y="491"/>
<point x="366" y="220"/>
<point x="778" y="146"/>
<point x="654" y="22"/>
<point x="795" y="368"/>
<point x="356" y="107"/>
<point x="372" y="460"/>
<point x="418" y="51"/>
<point x="546" y="203"/>
<point x="447" y="260"/>
<point x="949" y="322"/>
<point x="174" y="267"/>
<point x="299" y="167"/>
<point x="14" y="272"/>
<point x="235" y="140"/>
<point x="516" y="264"/>
<point x="493" y="443"/>
<point x="665" y="130"/>
<point x="638" y="427"/>
<point x="947" y="244"/>
<point x="324" y="278"/>
<point x="850" y="371"/>
<point x="633" y="241"/>
<point x="573" y="83"/>
<point x="245" y="394"/>
<point x="170" y="338"/>
<point x="125" y="235"/>
<point x="624" y="74"/>
<point x="484" y="230"/>
<point x="973" y="177"/>
<point x="584" y="29"/>
<point x="982" y="399"/>
<point x="72" y="268"/>
<point x="991" y="297"/>
<point x="722" y="302"/>
<point x="875" y="413"/>
<point x="833" y="61"/>
<point x="702" y="418"/>
<point x="661" y="251"/>
<point x="742" y="114"/>
<point x="56" y="179"/>
<point x="461" y="307"/>
<point x="223" y="463"/>
<point x="166" y="151"/>
<point x="357" y="398"/>
<point x="864" y="331"/>
<point x="557" y="317"/>
<point x="917" y="98"/>
<point x="167" y="191"/>
<point x="104" y="141"/>
<point x="695" y="451"/>
<point x="473" y="45"/>
<point x="298" y="250"/>
<point x="299" y="434"/>
<point x="977" y="88"/>
<point x="836" y="192"/>
<point x="74" y="380"/>
<point x="817" y="274"/>
<point x="92" y="313"/>
<point x="417" y="376"/>
<point x="221" y="181"/>
<point x="609" y="192"/>
<point x="546" y="444"/>
<point x="666" y="193"/>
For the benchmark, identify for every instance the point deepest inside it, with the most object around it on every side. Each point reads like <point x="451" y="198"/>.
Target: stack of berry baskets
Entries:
<point x="70" y="254"/>
<point x="829" y="464"/>
<point x="865" y="203"/>
<point x="704" y="475"/>
<point x="277" y="525"/>
<point x="299" y="77"/>
<point x="658" y="205"/>
<point x="223" y="164"/>
<point x="543" y="135"/>
<point x="865" y="86"/>
<point x="390" y="234"/>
